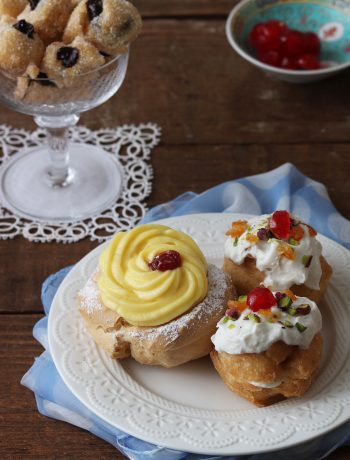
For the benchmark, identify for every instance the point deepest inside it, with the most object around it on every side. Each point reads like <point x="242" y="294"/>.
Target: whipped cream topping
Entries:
<point x="280" y="272"/>
<point x="248" y="336"/>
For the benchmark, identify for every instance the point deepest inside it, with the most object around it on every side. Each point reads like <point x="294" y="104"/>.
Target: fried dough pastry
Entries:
<point x="292" y="367"/>
<point x="49" y="17"/>
<point x="12" y="7"/>
<point x="183" y="339"/>
<point x="246" y="276"/>
<point x="111" y="25"/>
<point x="63" y="63"/>
<point x="20" y="46"/>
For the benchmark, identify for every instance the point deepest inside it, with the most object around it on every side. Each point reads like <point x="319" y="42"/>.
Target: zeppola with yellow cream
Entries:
<point x="154" y="297"/>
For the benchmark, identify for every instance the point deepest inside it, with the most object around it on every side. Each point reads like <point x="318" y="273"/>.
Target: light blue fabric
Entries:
<point x="284" y="187"/>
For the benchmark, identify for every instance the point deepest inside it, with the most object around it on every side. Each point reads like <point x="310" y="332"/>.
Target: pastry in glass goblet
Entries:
<point x="48" y="17"/>
<point x="110" y="25"/>
<point x="55" y="80"/>
<point x="12" y="7"/>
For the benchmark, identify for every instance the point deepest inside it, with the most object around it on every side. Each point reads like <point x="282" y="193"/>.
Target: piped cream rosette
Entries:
<point x="144" y="297"/>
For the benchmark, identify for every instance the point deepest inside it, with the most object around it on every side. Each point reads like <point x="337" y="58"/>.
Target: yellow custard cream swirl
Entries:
<point x="144" y="297"/>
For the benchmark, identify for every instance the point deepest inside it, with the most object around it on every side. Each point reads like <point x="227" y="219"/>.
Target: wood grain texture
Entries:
<point x="24" y="433"/>
<point x="206" y="8"/>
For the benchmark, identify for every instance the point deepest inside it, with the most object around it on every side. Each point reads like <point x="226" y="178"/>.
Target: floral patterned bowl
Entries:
<point x="330" y="19"/>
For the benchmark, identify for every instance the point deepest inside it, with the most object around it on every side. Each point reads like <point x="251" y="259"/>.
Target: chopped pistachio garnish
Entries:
<point x="300" y="327"/>
<point x="306" y="260"/>
<point x="242" y="298"/>
<point x="291" y="311"/>
<point x="293" y="242"/>
<point x="285" y="302"/>
<point x="235" y="241"/>
<point x="253" y="317"/>
<point x="231" y="326"/>
<point x="288" y="324"/>
<point x="225" y="319"/>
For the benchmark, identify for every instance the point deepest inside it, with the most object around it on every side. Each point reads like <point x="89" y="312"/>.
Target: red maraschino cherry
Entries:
<point x="308" y="62"/>
<point x="312" y="43"/>
<point x="293" y="43"/>
<point x="277" y="45"/>
<point x="266" y="35"/>
<point x="166" y="260"/>
<point x="280" y="224"/>
<point x="260" y="298"/>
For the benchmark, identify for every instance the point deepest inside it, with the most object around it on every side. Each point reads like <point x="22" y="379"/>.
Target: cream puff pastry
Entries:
<point x="153" y="297"/>
<point x="279" y="251"/>
<point x="268" y="345"/>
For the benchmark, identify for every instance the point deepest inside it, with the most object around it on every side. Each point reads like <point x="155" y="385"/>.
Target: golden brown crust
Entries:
<point x="294" y="366"/>
<point x="18" y="50"/>
<point x="12" y="7"/>
<point x="49" y="18"/>
<point x="111" y="32"/>
<point x="183" y="339"/>
<point x="246" y="277"/>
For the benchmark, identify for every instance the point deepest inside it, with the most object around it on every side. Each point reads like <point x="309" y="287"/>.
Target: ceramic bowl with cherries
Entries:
<point x="297" y="41"/>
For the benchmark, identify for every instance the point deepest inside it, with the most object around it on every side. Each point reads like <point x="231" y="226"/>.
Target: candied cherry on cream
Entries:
<point x="266" y="36"/>
<point x="166" y="260"/>
<point x="280" y="224"/>
<point x="260" y="298"/>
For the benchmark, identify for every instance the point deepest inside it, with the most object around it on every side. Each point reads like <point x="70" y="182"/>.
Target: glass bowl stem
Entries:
<point x="59" y="173"/>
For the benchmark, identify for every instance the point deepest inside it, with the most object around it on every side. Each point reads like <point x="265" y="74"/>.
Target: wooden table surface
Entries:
<point x="221" y="119"/>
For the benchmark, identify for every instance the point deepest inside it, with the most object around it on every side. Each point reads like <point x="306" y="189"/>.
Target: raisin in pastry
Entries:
<point x="63" y="62"/>
<point x="49" y="17"/>
<point x="20" y="46"/>
<point x="111" y="25"/>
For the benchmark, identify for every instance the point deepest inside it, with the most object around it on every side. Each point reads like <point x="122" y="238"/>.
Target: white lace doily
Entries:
<point x="132" y="144"/>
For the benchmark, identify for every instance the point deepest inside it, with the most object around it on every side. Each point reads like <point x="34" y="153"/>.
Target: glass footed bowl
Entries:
<point x="61" y="181"/>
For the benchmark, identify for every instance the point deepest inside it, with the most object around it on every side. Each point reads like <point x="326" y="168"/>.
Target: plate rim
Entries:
<point x="188" y="448"/>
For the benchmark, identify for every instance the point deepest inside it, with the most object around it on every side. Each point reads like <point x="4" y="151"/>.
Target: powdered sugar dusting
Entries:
<point x="90" y="296"/>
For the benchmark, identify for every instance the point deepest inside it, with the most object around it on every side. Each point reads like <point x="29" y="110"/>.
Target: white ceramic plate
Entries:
<point x="188" y="407"/>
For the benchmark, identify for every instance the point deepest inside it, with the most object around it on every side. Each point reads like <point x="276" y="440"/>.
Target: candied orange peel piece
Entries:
<point x="240" y="306"/>
<point x="286" y="251"/>
<point x="290" y="294"/>
<point x="312" y="231"/>
<point x="266" y="312"/>
<point x="297" y="233"/>
<point x="237" y="228"/>
<point x="252" y="238"/>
